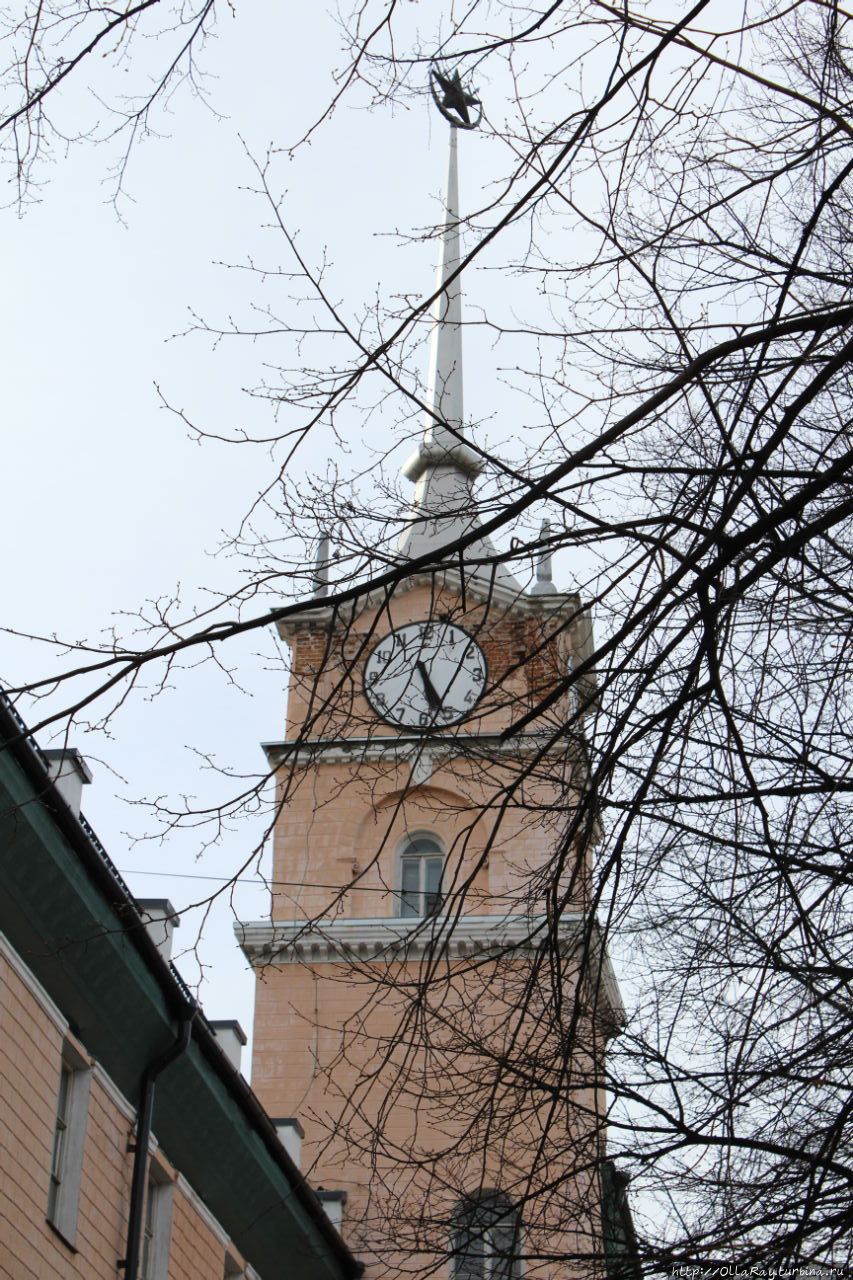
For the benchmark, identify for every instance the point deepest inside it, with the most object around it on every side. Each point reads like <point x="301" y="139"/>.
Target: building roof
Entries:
<point x="70" y="916"/>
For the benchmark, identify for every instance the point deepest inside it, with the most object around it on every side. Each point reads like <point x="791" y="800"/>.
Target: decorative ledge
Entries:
<point x="310" y="942"/>
<point x="563" y="606"/>
<point x="408" y="747"/>
<point x="330" y="941"/>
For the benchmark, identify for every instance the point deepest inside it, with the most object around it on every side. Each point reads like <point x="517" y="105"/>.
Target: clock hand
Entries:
<point x="429" y="688"/>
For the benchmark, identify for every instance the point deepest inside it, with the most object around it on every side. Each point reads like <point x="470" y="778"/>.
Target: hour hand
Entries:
<point x="429" y="688"/>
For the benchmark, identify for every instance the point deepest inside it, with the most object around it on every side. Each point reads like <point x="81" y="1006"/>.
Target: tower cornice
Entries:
<point x="561" y="606"/>
<point x="407" y="747"/>
<point x="389" y="940"/>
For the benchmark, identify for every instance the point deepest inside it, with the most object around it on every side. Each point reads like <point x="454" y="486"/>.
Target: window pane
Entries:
<point x="504" y="1250"/>
<point x="69" y="1142"/>
<point x="432" y="885"/>
<point x="485" y="1240"/>
<point x="468" y="1261"/>
<point x="423" y="844"/>
<point x="411" y="896"/>
<point x="146" y="1266"/>
<point x="64" y="1086"/>
<point x="420" y="876"/>
<point x="58" y="1142"/>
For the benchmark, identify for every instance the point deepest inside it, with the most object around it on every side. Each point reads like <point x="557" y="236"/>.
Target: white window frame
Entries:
<point x="479" y="1264"/>
<point x="69" y="1143"/>
<point x="403" y="857"/>
<point x="156" y="1242"/>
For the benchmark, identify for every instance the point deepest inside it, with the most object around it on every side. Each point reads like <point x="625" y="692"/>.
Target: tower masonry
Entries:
<point x="433" y="999"/>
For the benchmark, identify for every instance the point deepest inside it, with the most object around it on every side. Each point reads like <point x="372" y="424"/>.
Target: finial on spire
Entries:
<point x="544" y="584"/>
<point x="455" y="100"/>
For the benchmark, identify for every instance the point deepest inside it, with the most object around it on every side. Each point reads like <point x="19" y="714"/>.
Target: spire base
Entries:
<point x="431" y="454"/>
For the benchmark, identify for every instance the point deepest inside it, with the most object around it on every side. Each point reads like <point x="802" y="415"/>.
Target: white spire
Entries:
<point x="443" y="466"/>
<point x="444" y="399"/>
<point x="444" y="386"/>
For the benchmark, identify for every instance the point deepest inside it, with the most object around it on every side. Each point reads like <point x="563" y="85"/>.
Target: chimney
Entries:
<point x="68" y="772"/>
<point x="161" y="920"/>
<point x="333" y="1202"/>
<point x="231" y="1037"/>
<point x="290" y="1135"/>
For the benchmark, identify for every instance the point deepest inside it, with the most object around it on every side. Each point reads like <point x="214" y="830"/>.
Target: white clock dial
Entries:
<point x="425" y="675"/>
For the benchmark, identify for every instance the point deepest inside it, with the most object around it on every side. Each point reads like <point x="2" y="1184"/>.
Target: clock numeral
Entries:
<point x="372" y="677"/>
<point x="381" y="699"/>
<point x="470" y="697"/>
<point x="384" y="655"/>
<point x="477" y="673"/>
<point x="423" y="718"/>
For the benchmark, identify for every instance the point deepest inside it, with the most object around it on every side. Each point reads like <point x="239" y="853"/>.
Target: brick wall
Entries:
<point x="526" y="655"/>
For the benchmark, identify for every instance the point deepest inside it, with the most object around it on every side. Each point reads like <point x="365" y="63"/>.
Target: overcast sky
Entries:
<point x="108" y="500"/>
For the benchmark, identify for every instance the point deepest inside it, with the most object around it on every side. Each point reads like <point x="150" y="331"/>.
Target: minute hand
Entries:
<point x="429" y="688"/>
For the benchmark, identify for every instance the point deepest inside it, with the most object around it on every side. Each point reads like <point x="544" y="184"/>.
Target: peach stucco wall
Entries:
<point x="341" y="827"/>
<point x="32" y="1035"/>
<point x="498" y="809"/>
<point x="331" y="1042"/>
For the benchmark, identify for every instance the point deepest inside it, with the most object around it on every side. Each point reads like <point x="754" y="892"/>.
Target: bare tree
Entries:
<point x="676" y="190"/>
<point x="57" y="47"/>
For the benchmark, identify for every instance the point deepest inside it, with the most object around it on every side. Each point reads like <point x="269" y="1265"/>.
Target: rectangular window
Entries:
<point x="69" y="1141"/>
<point x="61" y="1129"/>
<point x="157" y="1231"/>
<point x="421" y="865"/>
<point x="486" y="1239"/>
<point x="145" y="1268"/>
<point x="502" y="1251"/>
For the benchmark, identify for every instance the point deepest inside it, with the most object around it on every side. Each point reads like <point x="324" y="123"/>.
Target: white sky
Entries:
<point x="107" y="501"/>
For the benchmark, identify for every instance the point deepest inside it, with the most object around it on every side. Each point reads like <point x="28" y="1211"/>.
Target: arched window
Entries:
<point x="421" y="861"/>
<point x="485" y="1239"/>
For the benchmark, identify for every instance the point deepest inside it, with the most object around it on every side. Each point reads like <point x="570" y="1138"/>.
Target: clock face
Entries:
<point x="425" y="675"/>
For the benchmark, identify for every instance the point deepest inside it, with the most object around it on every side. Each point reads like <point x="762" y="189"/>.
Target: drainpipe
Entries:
<point x="139" y="1183"/>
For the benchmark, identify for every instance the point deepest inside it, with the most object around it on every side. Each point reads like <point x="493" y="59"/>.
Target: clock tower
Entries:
<point x="433" y="999"/>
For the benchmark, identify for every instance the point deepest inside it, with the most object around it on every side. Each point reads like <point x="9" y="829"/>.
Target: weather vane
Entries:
<point x="453" y="100"/>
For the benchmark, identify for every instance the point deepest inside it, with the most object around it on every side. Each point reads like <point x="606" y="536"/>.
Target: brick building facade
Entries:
<point x="98" y="1036"/>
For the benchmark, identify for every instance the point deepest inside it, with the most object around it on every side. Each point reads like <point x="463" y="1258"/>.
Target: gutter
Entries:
<point x="15" y="737"/>
<point x="139" y="1181"/>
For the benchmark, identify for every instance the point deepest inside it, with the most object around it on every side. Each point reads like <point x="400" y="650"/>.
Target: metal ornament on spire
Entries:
<point x="455" y="100"/>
